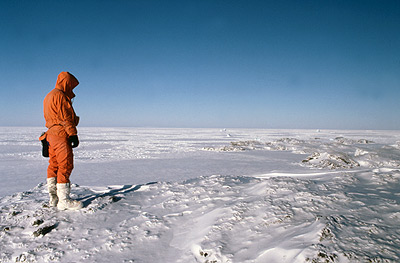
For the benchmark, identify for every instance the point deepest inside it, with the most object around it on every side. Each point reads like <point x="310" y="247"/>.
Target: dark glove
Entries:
<point x="45" y="148"/>
<point x="73" y="141"/>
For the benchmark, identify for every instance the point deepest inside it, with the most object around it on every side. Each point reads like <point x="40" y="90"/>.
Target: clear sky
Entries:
<point x="251" y="64"/>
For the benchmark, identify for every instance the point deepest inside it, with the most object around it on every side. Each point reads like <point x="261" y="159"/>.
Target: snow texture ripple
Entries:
<point x="336" y="200"/>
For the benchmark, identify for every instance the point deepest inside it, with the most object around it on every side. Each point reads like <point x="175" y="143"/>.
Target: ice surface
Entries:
<point x="199" y="195"/>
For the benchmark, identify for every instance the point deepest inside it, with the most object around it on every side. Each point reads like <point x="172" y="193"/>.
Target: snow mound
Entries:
<point x="237" y="146"/>
<point x="397" y="145"/>
<point x="284" y="144"/>
<point x="211" y="219"/>
<point x="347" y="141"/>
<point x="331" y="161"/>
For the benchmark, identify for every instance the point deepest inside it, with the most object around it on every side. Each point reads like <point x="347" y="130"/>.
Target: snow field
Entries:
<point x="336" y="200"/>
<point x="211" y="219"/>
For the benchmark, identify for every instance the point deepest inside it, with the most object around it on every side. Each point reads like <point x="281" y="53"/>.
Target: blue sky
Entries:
<point x="250" y="64"/>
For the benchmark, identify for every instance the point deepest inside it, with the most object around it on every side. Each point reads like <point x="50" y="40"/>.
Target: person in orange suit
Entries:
<point x="61" y="136"/>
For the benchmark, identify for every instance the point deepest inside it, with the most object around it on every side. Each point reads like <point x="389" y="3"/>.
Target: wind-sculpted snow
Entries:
<point x="206" y="195"/>
<point x="331" y="161"/>
<point x="350" y="218"/>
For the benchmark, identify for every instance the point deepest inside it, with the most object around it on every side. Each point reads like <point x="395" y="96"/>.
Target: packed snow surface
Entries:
<point x="206" y="195"/>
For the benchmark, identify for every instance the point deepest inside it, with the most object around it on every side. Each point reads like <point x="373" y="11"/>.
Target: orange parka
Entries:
<point x="59" y="114"/>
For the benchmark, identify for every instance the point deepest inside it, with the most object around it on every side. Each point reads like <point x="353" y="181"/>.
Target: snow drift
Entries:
<point x="329" y="200"/>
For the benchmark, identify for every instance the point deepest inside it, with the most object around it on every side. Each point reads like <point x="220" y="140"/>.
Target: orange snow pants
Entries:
<point x="61" y="160"/>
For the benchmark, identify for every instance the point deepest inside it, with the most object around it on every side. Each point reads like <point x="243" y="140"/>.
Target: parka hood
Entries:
<point x="66" y="82"/>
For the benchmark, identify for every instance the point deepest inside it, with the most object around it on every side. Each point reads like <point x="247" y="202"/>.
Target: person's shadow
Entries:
<point x="113" y="194"/>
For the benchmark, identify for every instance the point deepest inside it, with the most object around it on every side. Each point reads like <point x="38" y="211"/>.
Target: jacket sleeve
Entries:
<point x="68" y="117"/>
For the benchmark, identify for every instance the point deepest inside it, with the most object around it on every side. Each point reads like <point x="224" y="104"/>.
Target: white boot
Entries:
<point x="52" y="187"/>
<point x="64" y="202"/>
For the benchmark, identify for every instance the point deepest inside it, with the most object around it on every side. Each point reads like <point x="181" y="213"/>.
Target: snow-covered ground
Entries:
<point x="206" y="195"/>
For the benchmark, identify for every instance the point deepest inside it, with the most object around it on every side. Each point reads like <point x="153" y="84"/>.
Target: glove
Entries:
<point x="73" y="141"/>
<point x="45" y="148"/>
